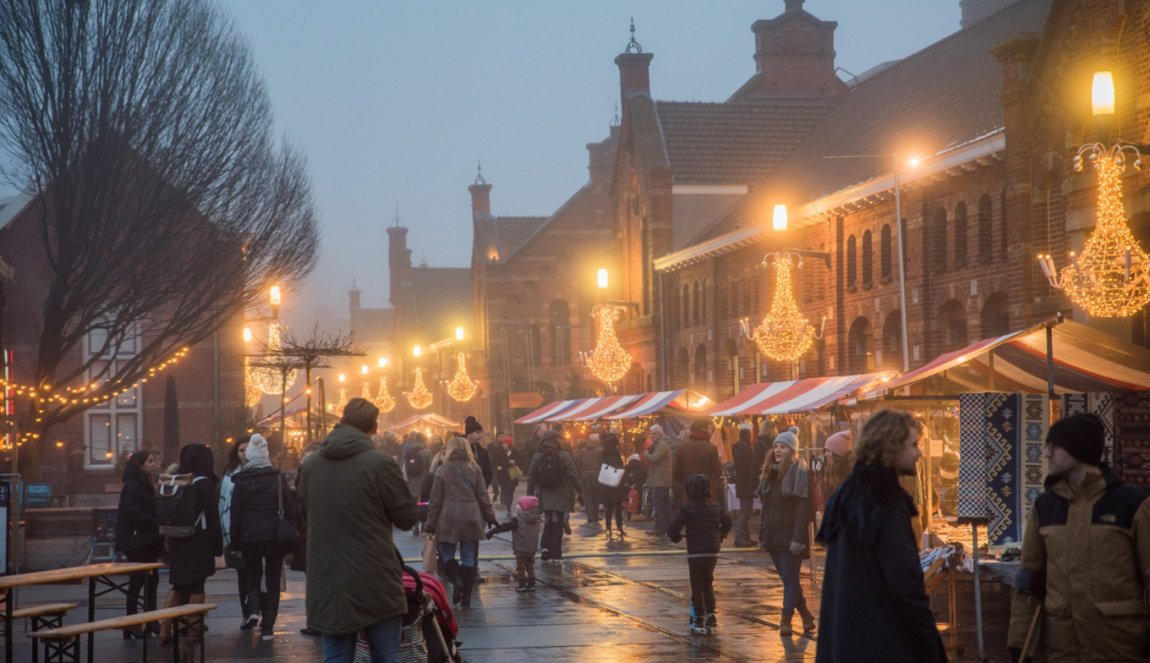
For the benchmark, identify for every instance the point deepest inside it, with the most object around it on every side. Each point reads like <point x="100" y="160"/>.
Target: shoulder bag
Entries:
<point x="610" y="476"/>
<point x="286" y="533"/>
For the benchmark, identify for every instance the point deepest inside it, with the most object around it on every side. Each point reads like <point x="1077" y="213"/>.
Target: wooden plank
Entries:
<point x="41" y="610"/>
<point x="75" y="573"/>
<point x="126" y="621"/>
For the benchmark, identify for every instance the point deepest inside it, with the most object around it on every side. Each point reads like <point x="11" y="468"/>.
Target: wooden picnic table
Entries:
<point x="95" y="574"/>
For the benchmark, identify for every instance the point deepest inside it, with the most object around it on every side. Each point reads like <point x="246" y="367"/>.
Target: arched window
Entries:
<point x="867" y="260"/>
<point x="686" y="305"/>
<point x="960" y="235"/>
<point x="938" y="243"/>
<point x="885" y="245"/>
<point x="696" y="303"/>
<point x="985" y="230"/>
<point x="683" y="366"/>
<point x="703" y="301"/>
<point x="534" y="352"/>
<point x="995" y="316"/>
<point x="700" y="373"/>
<point x="1002" y="225"/>
<point x="952" y="322"/>
<point x="560" y="333"/>
<point x="852" y="261"/>
<point x="860" y="351"/>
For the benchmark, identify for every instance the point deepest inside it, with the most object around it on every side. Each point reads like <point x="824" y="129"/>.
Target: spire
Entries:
<point x="397" y="224"/>
<point x="479" y="173"/>
<point x="634" y="46"/>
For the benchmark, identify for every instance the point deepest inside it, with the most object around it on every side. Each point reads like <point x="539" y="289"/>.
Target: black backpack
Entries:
<point x="414" y="465"/>
<point x="551" y="472"/>
<point x="176" y="510"/>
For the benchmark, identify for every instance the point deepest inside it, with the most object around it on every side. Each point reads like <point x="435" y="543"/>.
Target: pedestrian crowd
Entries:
<point x="1085" y="553"/>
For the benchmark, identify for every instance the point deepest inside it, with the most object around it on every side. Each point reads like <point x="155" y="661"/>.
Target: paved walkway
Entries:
<point x="614" y="601"/>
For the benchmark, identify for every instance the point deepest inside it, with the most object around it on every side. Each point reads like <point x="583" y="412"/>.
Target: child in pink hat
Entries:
<point x="525" y="529"/>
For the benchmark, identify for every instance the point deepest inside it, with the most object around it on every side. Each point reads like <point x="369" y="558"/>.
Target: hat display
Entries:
<point x="840" y="444"/>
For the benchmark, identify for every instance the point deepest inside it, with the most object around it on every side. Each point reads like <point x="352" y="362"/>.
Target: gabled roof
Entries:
<point x="944" y="96"/>
<point x="512" y="232"/>
<point x="733" y="143"/>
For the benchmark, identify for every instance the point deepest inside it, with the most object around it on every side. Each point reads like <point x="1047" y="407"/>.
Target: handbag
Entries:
<point x="286" y="533"/>
<point x="429" y="554"/>
<point x="514" y="472"/>
<point x="610" y="476"/>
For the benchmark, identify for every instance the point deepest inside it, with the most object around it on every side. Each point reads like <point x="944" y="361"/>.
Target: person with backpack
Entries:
<point x="261" y="499"/>
<point x="137" y="531"/>
<point x="236" y="459"/>
<point x="554" y="479"/>
<point x="706" y="523"/>
<point x="186" y="510"/>
<point x="416" y="461"/>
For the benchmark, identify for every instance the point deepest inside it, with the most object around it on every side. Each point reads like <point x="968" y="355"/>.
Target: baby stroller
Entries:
<point x="429" y="627"/>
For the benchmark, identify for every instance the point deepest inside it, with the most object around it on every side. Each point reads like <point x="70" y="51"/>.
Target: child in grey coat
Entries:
<point x="525" y="529"/>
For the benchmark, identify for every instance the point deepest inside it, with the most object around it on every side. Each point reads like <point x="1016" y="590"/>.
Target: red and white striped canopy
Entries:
<point x="794" y="396"/>
<point x="598" y="408"/>
<point x="650" y="403"/>
<point x="548" y="410"/>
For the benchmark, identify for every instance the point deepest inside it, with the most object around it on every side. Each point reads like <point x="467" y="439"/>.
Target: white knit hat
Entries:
<point x="257" y="452"/>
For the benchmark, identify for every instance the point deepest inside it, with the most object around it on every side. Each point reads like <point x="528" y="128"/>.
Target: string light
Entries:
<point x="269" y="379"/>
<point x="1111" y="279"/>
<point x="784" y="334"/>
<point x="609" y="361"/>
<point x="462" y="388"/>
<point x="383" y="399"/>
<point x="419" y="397"/>
<point x="252" y="391"/>
<point x="99" y="392"/>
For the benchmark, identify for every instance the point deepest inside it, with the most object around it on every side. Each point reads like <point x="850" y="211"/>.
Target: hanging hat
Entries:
<point x="1081" y="435"/>
<point x="470" y="425"/>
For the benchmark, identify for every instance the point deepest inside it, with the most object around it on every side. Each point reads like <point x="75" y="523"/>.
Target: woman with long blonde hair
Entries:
<point x="456" y="514"/>
<point x="785" y="494"/>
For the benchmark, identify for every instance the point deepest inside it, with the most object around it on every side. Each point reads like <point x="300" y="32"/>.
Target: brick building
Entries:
<point x="209" y="382"/>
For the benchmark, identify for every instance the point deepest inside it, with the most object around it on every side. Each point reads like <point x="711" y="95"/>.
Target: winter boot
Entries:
<point x="808" y="620"/>
<point x="468" y="573"/>
<point x="196" y="630"/>
<point x="450" y="570"/>
<point x="174" y="599"/>
<point x="530" y="584"/>
<point x="785" y="623"/>
<point x="522" y="582"/>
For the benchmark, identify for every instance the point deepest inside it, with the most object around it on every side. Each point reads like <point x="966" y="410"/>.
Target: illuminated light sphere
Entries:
<point x="784" y="334"/>
<point x="609" y="361"/>
<point x="270" y="380"/>
<point x="462" y="388"/>
<point x="419" y="397"/>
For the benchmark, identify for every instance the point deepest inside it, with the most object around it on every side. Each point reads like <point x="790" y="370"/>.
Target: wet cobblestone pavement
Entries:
<point x="608" y="601"/>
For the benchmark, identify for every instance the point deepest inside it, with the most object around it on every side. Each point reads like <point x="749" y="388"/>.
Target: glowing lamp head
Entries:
<point x="383" y="362"/>
<point x="275" y="296"/>
<point x="1102" y="93"/>
<point x="417" y="351"/>
<point x="913" y="162"/>
<point x="779" y="218"/>
<point x="247" y="334"/>
<point x="459" y="333"/>
<point x="342" y="378"/>
<point x="363" y="369"/>
<point x="601" y="278"/>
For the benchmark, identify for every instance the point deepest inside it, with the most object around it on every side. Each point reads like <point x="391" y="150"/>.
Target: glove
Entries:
<point x="797" y="548"/>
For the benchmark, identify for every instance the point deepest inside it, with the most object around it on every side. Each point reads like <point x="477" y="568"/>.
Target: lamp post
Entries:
<point x="898" y="163"/>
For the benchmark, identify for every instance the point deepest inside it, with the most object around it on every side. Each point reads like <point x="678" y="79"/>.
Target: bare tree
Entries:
<point x="166" y="204"/>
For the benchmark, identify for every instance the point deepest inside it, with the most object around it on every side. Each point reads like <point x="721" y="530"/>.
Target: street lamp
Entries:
<point x="274" y="297"/>
<point x="601" y="278"/>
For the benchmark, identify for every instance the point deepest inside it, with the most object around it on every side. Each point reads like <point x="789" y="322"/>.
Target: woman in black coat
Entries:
<point x="261" y="492"/>
<point x="137" y="532"/>
<point x="192" y="560"/>
<point x="613" y="496"/>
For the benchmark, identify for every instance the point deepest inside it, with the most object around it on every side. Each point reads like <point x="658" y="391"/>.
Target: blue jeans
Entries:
<point x="383" y="639"/>
<point x="661" y="503"/>
<point x="468" y="552"/>
<point x="788" y="567"/>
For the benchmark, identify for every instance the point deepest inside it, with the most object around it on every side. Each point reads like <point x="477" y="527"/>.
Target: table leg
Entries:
<point x="91" y="618"/>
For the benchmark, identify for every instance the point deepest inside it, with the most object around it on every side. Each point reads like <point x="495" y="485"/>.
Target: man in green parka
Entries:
<point x="351" y="495"/>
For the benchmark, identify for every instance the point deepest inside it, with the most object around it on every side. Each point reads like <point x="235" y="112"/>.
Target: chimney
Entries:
<point x="794" y="56"/>
<point x="480" y="196"/>
<point x="353" y="307"/>
<point x="398" y="261"/>
<point x="634" y="70"/>
<point x="974" y="11"/>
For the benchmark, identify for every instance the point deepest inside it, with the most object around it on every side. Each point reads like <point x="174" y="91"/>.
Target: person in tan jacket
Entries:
<point x="1085" y="556"/>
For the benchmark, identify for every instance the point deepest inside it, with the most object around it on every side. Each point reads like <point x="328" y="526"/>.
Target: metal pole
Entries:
<point x="1050" y="361"/>
<point x="307" y="393"/>
<point x="901" y="262"/>
<point x="283" y="404"/>
<point x="977" y="592"/>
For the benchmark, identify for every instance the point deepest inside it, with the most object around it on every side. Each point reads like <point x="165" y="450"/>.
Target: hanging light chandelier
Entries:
<point x="784" y="334"/>
<point x="462" y="388"/>
<point x="419" y="397"/>
<point x="1111" y="278"/>
<point x="271" y="380"/>
<point x="383" y="399"/>
<point x="609" y="361"/>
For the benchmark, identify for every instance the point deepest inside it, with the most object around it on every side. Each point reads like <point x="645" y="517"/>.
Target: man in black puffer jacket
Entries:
<point x="706" y="523"/>
<point x="260" y="491"/>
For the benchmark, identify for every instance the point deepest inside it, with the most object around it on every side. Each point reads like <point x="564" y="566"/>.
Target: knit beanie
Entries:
<point x="257" y="452"/>
<point x="840" y="444"/>
<point x="527" y="502"/>
<point x="788" y="438"/>
<point x="1082" y="436"/>
<point x="470" y="425"/>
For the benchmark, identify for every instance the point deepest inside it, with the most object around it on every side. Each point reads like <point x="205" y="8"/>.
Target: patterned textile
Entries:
<point x="1132" y="437"/>
<point x="972" y="456"/>
<point x="1103" y="405"/>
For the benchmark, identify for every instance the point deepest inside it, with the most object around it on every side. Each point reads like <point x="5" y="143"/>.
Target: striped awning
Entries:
<point x="604" y="406"/>
<point x="548" y="410"/>
<point x="649" y="404"/>
<point x="429" y="419"/>
<point x="794" y="396"/>
<point x="1085" y="360"/>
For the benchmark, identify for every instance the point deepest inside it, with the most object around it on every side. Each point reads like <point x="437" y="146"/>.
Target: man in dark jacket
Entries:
<point x="474" y="434"/>
<point x="746" y="479"/>
<point x="698" y="456"/>
<point x="351" y="496"/>
<point x="875" y="606"/>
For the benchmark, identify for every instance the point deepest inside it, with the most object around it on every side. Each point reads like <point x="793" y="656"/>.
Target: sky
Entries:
<point x="395" y="101"/>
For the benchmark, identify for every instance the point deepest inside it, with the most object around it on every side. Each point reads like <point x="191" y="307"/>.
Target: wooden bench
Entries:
<point x="62" y="645"/>
<point x="44" y="616"/>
